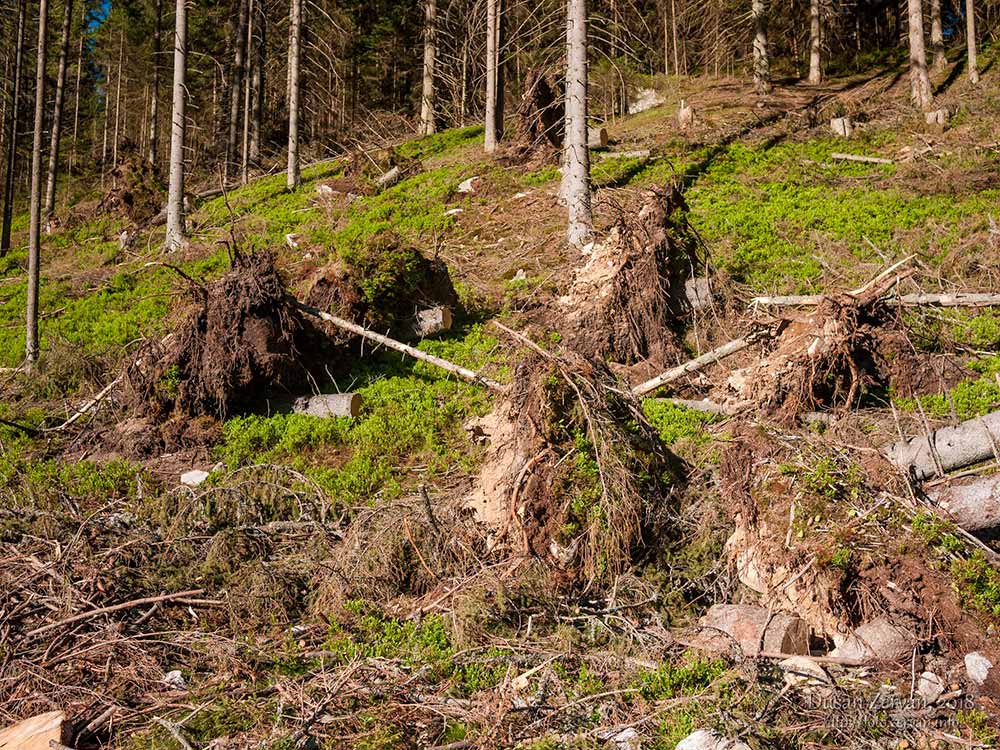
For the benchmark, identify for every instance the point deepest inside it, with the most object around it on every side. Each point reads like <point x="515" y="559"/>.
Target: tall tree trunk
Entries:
<point x="236" y="90"/>
<point x="920" y="83"/>
<point x="76" y="90"/>
<point x="35" y="221"/>
<point x="970" y="36"/>
<point x="576" y="156"/>
<point x="8" y="197"/>
<point x="247" y="91"/>
<point x="258" y="82"/>
<point x="430" y="52"/>
<point x="493" y="125"/>
<point x="294" y="176"/>
<point x="815" y="42"/>
<point x="937" y="37"/>
<point x="175" y="191"/>
<point x="50" y="184"/>
<point x="761" y="65"/>
<point x="118" y="100"/>
<point x="154" y="97"/>
<point x="673" y="33"/>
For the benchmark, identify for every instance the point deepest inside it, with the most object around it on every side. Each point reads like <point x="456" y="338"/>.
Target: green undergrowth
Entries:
<point x="440" y="143"/>
<point x="677" y="425"/>
<point x="412" y="415"/>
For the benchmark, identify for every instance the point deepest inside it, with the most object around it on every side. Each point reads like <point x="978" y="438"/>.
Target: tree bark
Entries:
<point x="294" y="176"/>
<point x="258" y="83"/>
<point x="8" y="199"/>
<point x="118" y="100"/>
<point x="430" y="51"/>
<point x="937" y="37"/>
<point x="76" y="90"/>
<point x="576" y="156"/>
<point x="920" y="82"/>
<point x="175" y="191"/>
<point x="673" y="33"/>
<point x="949" y="448"/>
<point x="970" y="36"/>
<point x="974" y="504"/>
<point x="154" y="97"/>
<point x="236" y="90"/>
<point x="35" y="221"/>
<point x="761" y="64"/>
<point x="815" y="42"/>
<point x="493" y="123"/>
<point x="50" y="185"/>
<point x="247" y="93"/>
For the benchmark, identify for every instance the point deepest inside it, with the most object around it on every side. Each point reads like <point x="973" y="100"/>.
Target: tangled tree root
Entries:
<point x="539" y="135"/>
<point x="573" y="471"/>
<point x="627" y="303"/>
<point x="137" y="191"/>
<point x="240" y="343"/>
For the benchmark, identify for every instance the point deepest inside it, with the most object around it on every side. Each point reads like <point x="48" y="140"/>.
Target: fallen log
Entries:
<point x="693" y="365"/>
<point x="865" y="159"/>
<point x="953" y="299"/>
<point x="973" y="504"/>
<point x="36" y="733"/>
<point x="948" y="448"/>
<point x="462" y="372"/>
<point x="328" y="405"/>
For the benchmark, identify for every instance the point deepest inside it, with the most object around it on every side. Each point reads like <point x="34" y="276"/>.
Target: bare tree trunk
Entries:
<point x="937" y="37"/>
<point x="236" y="90"/>
<point x="761" y="65"/>
<point x="247" y="91"/>
<point x="258" y="83"/>
<point x="35" y="221"/>
<point x="920" y="83"/>
<point x="970" y="36"/>
<point x="294" y="177"/>
<point x="492" y="135"/>
<point x="8" y="198"/>
<point x="666" y="41"/>
<point x="50" y="185"/>
<point x="430" y="52"/>
<point x="76" y="91"/>
<point x="815" y="42"/>
<point x="118" y="100"/>
<point x="154" y="97"/>
<point x="576" y="156"/>
<point x="673" y="32"/>
<point x="175" y="191"/>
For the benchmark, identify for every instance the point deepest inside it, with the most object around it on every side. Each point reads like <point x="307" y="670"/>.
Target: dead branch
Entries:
<point x="693" y="365"/>
<point x="954" y="299"/>
<point x="866" y="159"/>
<point x="114" y="608"/>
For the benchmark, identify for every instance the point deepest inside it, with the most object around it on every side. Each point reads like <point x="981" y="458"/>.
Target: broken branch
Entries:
<point x="114" y="608"/>
<point x="693" y="365"/>
<point x="865" y="159"/>
<point x="954" y="299"/>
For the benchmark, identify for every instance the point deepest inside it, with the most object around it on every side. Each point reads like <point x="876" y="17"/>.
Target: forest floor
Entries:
<point x="331" y="584"/>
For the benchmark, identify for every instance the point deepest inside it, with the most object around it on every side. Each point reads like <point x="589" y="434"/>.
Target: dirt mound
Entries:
<point x="564" y="479"/>
<point x="137" y="192"/>
<point x="240" y="343"/>
<point x="382" y="286"/>
<point x="627" y="304"/>
<point x="538" y="137"/>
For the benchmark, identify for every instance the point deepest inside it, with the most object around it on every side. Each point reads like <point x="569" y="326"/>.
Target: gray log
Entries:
<point x="430" y="321"/>
<point x="842" y="126"/>
<point x="328" y="405"/>
<point x="973" y="504"/>
<point x="953" y="447"/>
<point x="389" y="179"/>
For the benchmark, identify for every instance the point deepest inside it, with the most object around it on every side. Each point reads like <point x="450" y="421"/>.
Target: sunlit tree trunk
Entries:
<point x="815" y="41"/>
<point x="970" y="35"/>
<point x="236" y="90"/>
<point x="50" y="184"/>
<point x="118" y="100"/>
<point x="493" y="121"/>
<point x="258" y="83"/>
<point x="294" y="176"/>
<point x="154" y="97"/>
<point x="247" y="93"/>
<point x="8" y="198"/>
<point x="920" y="83"/>
<point x="576" y="156"/>
<point x="761" y="64"/>
<point x="430" y="53"/>
<point x="175" y="191"/>
<point x="35" y="220"/>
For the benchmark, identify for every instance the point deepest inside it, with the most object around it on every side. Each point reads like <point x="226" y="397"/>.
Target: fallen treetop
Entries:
<point x="466" y="374"/>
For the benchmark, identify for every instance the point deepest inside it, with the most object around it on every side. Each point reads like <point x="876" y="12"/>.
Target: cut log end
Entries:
<point x="329" y="405"/>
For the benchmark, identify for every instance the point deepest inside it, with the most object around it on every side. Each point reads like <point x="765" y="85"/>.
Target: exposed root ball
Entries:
<point x="382" y="286"/>
<point x="240" y="343"/>
<point x="828" y="357"/>
<point x="539" y="134"/>
<point x="136" y="190"/>
<point x="627" y="302"/>
<point x="564" y="477"/>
